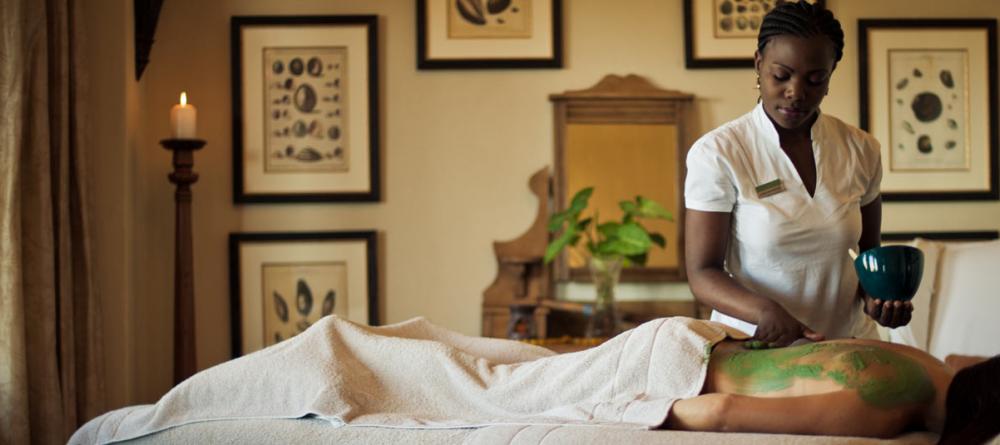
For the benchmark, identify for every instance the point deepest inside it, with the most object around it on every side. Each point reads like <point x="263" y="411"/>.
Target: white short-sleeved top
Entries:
<point x="789" y="246"/>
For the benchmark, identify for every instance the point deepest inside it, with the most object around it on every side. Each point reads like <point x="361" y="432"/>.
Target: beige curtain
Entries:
<point x="51" y="376"/>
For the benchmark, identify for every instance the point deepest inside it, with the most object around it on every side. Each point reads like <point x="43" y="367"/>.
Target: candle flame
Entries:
<point x="184" y="98"/>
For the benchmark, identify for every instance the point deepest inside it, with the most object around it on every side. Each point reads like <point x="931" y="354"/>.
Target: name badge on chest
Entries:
<point x="770" y="188"/>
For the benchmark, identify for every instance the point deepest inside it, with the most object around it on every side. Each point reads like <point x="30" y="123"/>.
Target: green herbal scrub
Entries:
<point x="882" y="378"/>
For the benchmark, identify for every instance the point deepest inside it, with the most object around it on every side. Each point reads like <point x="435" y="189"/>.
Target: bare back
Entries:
<point x="883" y="375"/>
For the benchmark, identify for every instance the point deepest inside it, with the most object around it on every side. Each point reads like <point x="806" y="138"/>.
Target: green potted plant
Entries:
<point x="611" y="245"/>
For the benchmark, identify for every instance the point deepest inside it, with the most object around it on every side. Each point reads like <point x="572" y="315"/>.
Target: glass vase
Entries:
<point x="604" y="322"/>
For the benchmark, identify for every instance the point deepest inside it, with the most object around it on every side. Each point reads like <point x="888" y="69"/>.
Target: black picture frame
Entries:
<point x="867" y="92"/>
<point x="464" y="60"/>
<point x="723" y="58"/>
<point x="980" y="235"/>
<point x="311" y="246"/>
<point x="360" y="182"/>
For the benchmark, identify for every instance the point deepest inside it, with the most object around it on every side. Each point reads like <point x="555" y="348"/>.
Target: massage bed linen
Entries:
<point x="414" y="380"/>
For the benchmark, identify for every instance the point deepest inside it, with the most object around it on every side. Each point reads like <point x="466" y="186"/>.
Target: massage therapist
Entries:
<point x="776" y="198"/>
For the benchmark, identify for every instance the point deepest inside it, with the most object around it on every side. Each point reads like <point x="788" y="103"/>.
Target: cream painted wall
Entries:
<point x="457" y="149"/>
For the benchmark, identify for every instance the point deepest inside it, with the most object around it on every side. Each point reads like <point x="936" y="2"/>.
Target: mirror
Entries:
<point x="624" y="137"/>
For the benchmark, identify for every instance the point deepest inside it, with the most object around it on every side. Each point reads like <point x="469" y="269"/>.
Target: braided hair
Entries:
<point x="801" y="19"/>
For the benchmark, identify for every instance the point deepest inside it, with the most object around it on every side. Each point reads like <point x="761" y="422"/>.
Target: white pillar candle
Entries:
<point x="183" y="119"/>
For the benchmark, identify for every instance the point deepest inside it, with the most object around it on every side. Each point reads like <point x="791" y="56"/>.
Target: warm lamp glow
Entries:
<point x="184" y="98"/>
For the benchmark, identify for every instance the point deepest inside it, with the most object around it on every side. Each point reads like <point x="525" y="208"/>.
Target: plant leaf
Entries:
<point x="555" y="247"/>
<point x="580" y="199"/>
<point x="557" y="220"/>
<point x="628" y="207"/>
<point x="658" y="239"/>
<point x="572" y="214"/>
<point x="568" y="237"/>
<point x="652" y="209"/>
<point x="631" y="239"/>
<point x="577" y="205"/>
<point x="638" y="259"/>
<point x="574" y="240"/>
<point x="608" y="229"/>
<point x="619" y="247"/>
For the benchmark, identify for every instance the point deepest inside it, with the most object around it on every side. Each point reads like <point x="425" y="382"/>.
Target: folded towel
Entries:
<point x="418" y="375"/>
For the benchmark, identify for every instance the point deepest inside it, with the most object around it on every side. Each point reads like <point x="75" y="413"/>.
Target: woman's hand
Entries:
<point x="891" y="314"/>
<point x="779" y="328"/>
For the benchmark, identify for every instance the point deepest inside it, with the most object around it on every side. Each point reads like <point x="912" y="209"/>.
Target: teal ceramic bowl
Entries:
<point x="890" y="272"/>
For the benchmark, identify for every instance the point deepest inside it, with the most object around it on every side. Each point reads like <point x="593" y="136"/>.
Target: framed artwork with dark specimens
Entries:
<point x="305" y="108"/>
<point x="981" y="235"/>
<point x="281" y="283"/>
<point x="475" y="34"/>
<point x="929" y="95"/>
<point x="723" y="33"/>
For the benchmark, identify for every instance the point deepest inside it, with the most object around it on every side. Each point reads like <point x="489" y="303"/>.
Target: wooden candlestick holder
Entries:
<point x="184" y="340"/>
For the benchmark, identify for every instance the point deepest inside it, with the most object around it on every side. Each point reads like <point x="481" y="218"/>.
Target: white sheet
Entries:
<point x="314" y="431"/>
<point x="417" y="375"/>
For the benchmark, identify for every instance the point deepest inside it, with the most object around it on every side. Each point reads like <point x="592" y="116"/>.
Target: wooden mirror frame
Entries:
<point x="622" y="100"/>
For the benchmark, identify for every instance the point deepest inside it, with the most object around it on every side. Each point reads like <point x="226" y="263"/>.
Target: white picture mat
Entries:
<point x="440" y="47"/>
<point x="254" y="39"/>
<point x="253" y="255"/>
<point x="903" y="62"/>
<point x="706" y="45"/>
<point x="880" y="41"/>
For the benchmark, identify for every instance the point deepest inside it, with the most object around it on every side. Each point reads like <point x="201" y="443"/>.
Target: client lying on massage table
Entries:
<point x="676" y="373"/>
<point x="843" y="387"/>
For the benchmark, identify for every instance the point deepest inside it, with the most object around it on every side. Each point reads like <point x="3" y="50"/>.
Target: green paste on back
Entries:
<point x="882" y="378"/>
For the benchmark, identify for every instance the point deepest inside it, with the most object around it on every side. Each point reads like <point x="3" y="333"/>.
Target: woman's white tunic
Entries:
<point x="789" y="246"/>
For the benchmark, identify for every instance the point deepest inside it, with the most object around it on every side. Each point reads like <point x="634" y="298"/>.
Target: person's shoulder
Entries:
<point x="726" y="136"/>
<point x="854" y="136"/>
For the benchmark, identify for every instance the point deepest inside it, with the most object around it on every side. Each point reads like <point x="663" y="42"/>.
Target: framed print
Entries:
<point x="984" y="235"/>
<point x="723" y="33"/>
<point x="281" y="283"/>
<point x="929" y="95"/>
<point x="474" y="34"/>
<point x="305" y="108"/>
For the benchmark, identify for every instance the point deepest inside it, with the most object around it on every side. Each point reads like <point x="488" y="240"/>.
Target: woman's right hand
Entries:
<point x="779" y="328"/>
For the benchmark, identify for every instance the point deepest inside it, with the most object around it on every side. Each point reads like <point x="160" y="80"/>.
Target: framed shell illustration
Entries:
<point x="928" y="112"/>
<point x="482" y="34"/>
<point x="929" y="95"/>
<point x="282" y="283"/>
<point x="723" y="33"/>
<point x="305" y="109"/>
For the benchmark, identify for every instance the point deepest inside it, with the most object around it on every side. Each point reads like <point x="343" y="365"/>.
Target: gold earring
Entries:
<point x="758" y="87"/>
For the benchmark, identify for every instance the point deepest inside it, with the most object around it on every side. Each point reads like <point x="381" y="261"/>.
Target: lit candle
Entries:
<point x="183" y="119"/>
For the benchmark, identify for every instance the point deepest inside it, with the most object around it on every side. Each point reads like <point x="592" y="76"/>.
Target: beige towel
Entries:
<point x="418" y="375"/>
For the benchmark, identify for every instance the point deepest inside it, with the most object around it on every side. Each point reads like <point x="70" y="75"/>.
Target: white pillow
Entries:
<point x="915" y="333"/>
<point x="967" y="306"/>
